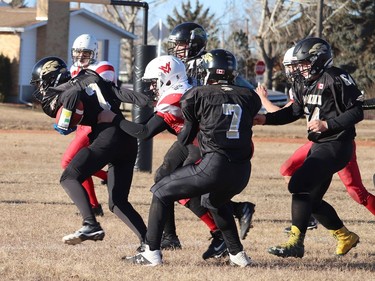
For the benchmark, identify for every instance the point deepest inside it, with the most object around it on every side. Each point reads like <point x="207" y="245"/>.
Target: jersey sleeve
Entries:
<point x="349" y="100"/>
<point x="106" y="71"/>
<point x="168" y="108"/>
<point x="154" y="126"/>
<point x="191" y="124"/>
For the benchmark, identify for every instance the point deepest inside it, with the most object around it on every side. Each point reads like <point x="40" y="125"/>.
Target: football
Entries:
<point x="76" y="117"/>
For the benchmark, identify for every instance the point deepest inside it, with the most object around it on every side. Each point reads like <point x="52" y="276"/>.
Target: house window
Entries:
<point x="103" y="50"/>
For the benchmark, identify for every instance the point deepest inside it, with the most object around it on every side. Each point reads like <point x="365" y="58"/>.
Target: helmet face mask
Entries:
<point x="187" y="40"/>
<point x="312" y="57"/>
<point x="163" y="73"/>
<point x="219" y="66"/>
<point x="84" y="50"/>
<point x="179" y="49"/>
<point x="289" y="72"/>
<point x="288" y="62"/>
<point x="48" y="72"/>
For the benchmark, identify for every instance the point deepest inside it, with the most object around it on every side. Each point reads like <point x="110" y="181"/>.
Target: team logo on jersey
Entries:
<point x="320" y="86"/>
<point x="166" y="68"/>
<point x="220" y="71"/>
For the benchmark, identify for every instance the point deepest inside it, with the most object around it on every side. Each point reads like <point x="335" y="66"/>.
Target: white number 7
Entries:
<point x="236" y="111"/>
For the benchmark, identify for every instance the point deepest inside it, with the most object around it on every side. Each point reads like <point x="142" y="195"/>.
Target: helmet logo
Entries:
<point x="318" y="48"/>
<point x="50" y="66"/>
<point x="166" y="68"/>
<point x="207" y="57"/>
<point x="198" y="32"/>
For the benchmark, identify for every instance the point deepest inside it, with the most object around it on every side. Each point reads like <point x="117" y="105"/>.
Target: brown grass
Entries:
<point x="36" y="213"/>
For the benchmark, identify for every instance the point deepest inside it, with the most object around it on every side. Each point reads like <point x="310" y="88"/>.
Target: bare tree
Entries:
<point x="283" y="23"/>
<point x="127" y="17"/>
<point x="276" y="33"/>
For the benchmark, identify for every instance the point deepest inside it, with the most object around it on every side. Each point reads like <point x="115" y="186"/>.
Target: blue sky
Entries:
<point x="227" y="12"/>
<point x="161" y="11"/>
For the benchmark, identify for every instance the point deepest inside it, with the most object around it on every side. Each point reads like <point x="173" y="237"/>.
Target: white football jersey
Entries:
<point x="169" y="102"/>
<point x="103" y="68"/>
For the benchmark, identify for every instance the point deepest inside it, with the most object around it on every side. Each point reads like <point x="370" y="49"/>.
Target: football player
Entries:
<point x="331" y="101"/>
<point x="108" y="144"/>
<point x="221" y="114"/>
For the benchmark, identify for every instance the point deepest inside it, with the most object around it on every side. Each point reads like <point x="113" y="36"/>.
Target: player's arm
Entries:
<point x="369" y="104"/>
<point x="263" y="95"/>
<point x="191" y="124"/>
<point x="188" y="132"/>
<point x="351" y="116"/>
<point x="268" y="105"/>
<point x="66" y="95"/>
<point x="129" y="96"/>
<point x="154" y="125"/>
<point x="350" y="100"/>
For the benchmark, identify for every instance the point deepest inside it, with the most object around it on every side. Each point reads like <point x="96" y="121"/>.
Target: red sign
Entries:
<point x="260" y="67"/>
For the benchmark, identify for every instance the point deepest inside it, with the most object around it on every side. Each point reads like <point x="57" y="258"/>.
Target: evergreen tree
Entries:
<point x="5" y="76"/>
<point x="200" y="16"/>
<point x="352" y="36"/>
<point x="18" y="4"/>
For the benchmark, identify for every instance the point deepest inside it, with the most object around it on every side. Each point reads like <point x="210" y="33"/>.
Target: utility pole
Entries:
<point x="319" y="18"/>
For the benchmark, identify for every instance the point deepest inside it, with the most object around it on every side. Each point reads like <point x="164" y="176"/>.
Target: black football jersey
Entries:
<point x="83" y="87"/>
<point x="333" y="97"/>
<point x="194" y="70"/>
<point x="224" y="116"/>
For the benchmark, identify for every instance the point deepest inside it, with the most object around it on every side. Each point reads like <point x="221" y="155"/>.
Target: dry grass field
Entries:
<point x="36" y="213"/>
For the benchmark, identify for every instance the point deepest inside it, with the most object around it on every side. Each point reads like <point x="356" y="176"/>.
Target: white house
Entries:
<point x="20" y="32"/>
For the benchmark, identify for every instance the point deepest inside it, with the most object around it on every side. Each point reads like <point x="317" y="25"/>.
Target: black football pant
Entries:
<point x="114" y="147"/>
<point x="312" y="180"/>
<point x="177" y="156"/>
<point x="216" y="181"/>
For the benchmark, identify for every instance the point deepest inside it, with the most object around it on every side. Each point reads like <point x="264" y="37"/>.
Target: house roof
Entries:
<point x="23" y="19"/>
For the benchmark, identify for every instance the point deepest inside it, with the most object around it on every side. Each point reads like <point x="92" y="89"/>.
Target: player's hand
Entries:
<point x="261" y="91"/>
<point x="64" y="132"/>
<point x="317" y="126"/>
<point x="174" y="122"/>
<point x="106" y="116"/>
<point x="259" y="119"/>
<point x="169" y="118"/>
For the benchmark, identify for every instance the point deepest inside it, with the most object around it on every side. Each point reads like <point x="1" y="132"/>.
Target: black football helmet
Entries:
<point x="48" y="72"/>
<point x="315" y="53"/>
<point x="219" y="66"/>
<point x="191" y="37"/>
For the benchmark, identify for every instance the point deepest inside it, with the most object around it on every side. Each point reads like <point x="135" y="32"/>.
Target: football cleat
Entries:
<point x="241" y="259"/>
<point x="217" y="248"/>
<point x="86" y="232"/>
<point x="170" y="242"/>
<point x="346" y="240"/>
<point x="293" y="247"/>
<point x="145" y="257"/>
<point x="245" y="218"/>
